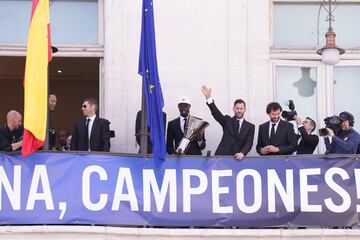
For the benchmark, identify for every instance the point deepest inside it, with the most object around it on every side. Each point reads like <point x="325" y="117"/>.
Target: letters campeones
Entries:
<point x="172" y="190"/>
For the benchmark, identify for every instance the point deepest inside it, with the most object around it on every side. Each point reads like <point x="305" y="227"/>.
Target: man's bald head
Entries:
<point x="13" y="119"/>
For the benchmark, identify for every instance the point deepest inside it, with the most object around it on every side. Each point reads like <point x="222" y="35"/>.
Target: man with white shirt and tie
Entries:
<point x="276" y="137"/>
<point x="90" y="133"/>
<point x="176" y="129"/>
<point x="238" y="134"/>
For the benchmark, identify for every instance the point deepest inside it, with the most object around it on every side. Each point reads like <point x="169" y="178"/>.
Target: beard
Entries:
<point x="275" y="119"/>
<point x="239" y="115"/>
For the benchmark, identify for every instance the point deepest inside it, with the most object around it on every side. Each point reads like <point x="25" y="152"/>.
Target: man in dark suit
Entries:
<point x="176" y="128"/>
<point x="238" y="134"/>
<point x="51" y="134"/>
<point x="91" y="133"/>
<point x="306" y="140"/>
<point x="276" y="137"/>
<point x="138" y="131"/>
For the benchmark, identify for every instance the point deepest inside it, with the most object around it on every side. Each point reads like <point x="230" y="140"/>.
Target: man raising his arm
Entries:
<point x="238" y="134"/>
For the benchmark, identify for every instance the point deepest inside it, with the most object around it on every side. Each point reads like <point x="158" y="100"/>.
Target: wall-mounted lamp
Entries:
<point x="330" y="53"/>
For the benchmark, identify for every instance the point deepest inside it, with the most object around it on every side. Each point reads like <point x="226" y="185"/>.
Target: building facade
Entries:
<point x="257" y="50"/>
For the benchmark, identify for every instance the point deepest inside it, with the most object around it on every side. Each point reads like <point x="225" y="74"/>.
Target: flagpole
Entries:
<point x="144" y="129"/>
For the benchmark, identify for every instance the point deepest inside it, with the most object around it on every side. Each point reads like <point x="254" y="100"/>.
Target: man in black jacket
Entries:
<point x="11" y="132"/>
<point x="306" y="140"/>
<point x="238" y="134"/>
<point x="276" y="137"/>
<point x="138" y="131"/>
<point x="176" y="129"/>
<point x="51" y="134"/>
<point x="91" y="133"/>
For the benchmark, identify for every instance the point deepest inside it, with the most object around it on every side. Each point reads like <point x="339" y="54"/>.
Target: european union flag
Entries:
<point x="149" y="71"/>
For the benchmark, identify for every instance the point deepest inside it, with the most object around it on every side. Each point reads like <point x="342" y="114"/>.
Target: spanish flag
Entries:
<point x="38" y="56"/>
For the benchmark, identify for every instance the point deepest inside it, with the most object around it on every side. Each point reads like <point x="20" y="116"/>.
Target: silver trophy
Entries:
<point x="193" y="125"/>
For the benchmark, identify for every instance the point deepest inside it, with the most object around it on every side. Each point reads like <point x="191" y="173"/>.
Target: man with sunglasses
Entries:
<point x="306" y="140"/>
<point x="91" y="133"/>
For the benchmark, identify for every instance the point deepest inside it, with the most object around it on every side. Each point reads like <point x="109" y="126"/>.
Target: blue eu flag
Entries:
<point x="149" y="71"/>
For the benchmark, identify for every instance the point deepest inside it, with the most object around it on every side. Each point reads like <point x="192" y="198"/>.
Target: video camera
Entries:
<point x="289" y="115"/>
<point x="333" y="123"/>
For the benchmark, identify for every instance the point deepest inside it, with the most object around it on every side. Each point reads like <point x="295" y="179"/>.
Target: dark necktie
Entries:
<point x="237" y="126"/>
<point x="272" y="134"/>
<point x="185" y="128"/>
<point x="87" y="133"/>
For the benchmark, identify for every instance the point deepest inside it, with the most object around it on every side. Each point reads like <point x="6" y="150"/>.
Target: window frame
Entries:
<point x="322" y="97"/>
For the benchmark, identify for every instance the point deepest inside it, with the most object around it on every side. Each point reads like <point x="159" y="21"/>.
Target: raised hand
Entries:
<point x="206" y="91"/>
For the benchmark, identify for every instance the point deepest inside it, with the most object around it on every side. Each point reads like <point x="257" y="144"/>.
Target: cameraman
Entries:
<point x="306" y="140"/>
<point x="347" y="141"/>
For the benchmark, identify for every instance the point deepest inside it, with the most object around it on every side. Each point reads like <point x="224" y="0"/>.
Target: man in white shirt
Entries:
<point x="238" y="134"/>
<point x="276" y="137"/>
<point x="176" y="130"/>
<point x="91" y="133"/>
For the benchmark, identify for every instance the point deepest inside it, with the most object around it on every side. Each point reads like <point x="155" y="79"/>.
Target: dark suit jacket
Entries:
<point x="307" y="143"/>
<point x="138" y="129"/>
<point x="174" y="136"/>
<point x="51" y="134"/>
<point x="285" y="138"/>
<point x="99" y="136"/>
<point x="232" y="142"/>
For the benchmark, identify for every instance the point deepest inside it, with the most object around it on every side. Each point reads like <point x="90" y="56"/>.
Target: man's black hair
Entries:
<point x="273" y="106"/>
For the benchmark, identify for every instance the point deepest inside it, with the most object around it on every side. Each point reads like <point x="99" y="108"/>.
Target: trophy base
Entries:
<point x="182" y="146"/>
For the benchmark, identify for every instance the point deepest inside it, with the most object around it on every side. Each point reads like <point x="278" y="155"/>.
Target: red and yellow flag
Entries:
<point x="38" y="56"/>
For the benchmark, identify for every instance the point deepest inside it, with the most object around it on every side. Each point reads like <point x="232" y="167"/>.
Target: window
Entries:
<point x="72" y="21"/>
<point x="303" y="24"/>
<point x="346" y="95"/>
<point x="318" y="91"/>
<point x="298" y="84"/>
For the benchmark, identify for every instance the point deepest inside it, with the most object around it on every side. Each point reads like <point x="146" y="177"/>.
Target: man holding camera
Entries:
<point x="306" y="140"/>
<point x="348" y="139"/>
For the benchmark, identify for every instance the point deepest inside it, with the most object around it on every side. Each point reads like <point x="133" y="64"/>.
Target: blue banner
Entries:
<point x="70" y="188"/>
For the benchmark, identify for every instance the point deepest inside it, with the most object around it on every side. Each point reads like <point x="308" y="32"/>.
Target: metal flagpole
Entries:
<point x="144" y="129"/>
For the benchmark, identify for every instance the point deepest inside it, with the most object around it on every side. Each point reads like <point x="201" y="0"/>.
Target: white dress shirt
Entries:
<point x="182" y="122"/>
<point x="90" y="125"/>
<point x="270" y="126"/>
<point x="241" y="120"/>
